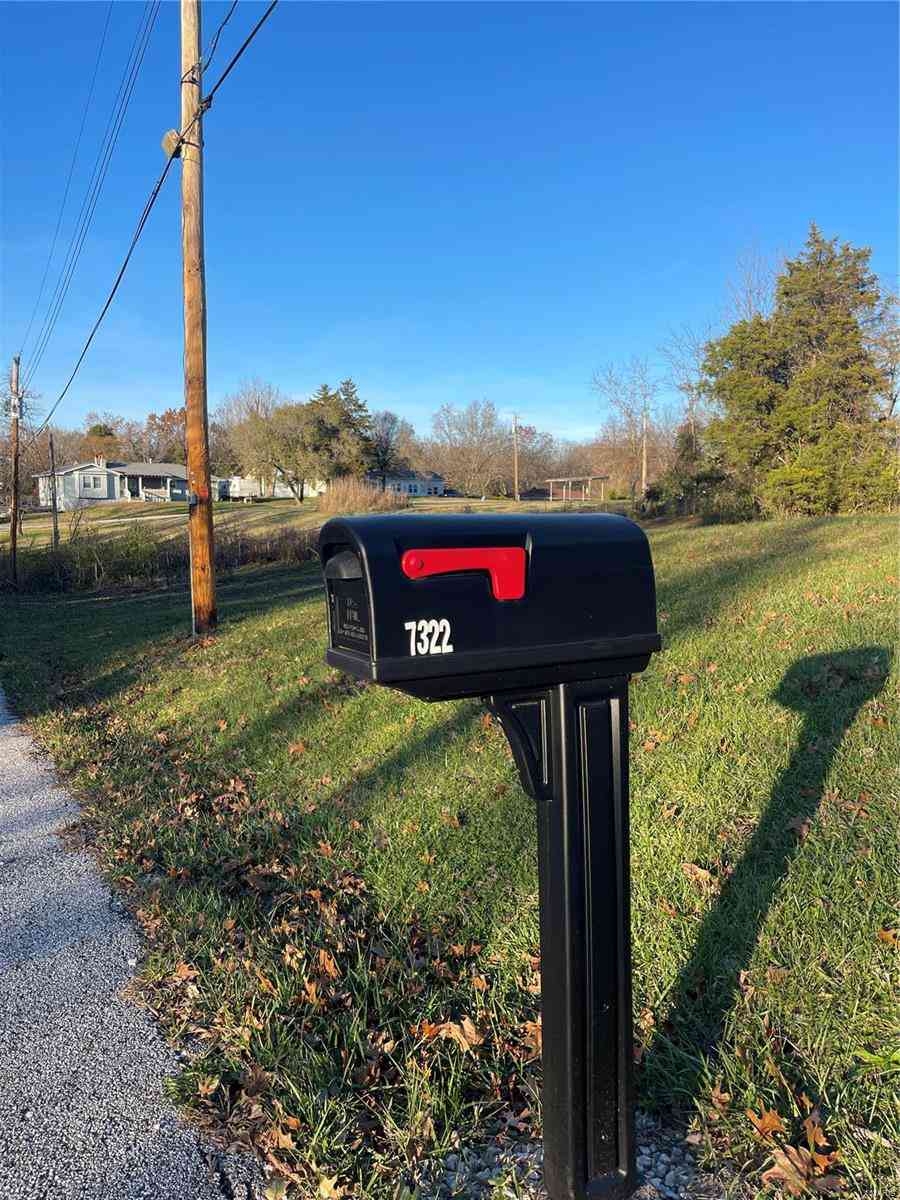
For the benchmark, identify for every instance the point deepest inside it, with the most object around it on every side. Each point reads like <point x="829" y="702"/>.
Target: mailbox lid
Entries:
<point x="589" y="593"/>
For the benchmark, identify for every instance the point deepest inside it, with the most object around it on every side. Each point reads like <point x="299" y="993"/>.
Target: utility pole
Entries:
<point x="644" y="451"/>
<point x="200" y="523"/>
<point x="53" y="504"/>
<point x="516" y="457"/>
<point x="14" y="412"/>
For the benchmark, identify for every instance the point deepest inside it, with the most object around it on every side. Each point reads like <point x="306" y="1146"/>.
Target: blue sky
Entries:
<point x="445" y="201"/>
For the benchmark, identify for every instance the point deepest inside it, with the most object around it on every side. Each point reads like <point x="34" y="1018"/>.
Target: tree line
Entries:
<point x="790" y="408"/>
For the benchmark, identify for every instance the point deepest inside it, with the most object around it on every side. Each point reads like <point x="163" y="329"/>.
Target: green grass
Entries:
<point x="262" y="517"/>
<point x="326" y="872"/>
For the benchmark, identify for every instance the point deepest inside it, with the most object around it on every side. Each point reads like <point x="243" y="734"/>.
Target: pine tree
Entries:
<point x="797" y="392"/>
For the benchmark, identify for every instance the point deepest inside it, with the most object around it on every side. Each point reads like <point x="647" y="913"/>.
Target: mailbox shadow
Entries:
<point x="829" y="690"/>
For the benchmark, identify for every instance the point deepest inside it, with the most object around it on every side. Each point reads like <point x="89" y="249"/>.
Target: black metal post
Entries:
<point x="570" y="743"/>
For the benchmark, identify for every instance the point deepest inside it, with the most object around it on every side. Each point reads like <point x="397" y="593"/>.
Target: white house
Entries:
<point x="410" y="483"/>
<point x="101" y="482"/>
<point x="249" y="487"/>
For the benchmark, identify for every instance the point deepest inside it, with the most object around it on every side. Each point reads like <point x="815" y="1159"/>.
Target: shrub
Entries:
<point x="349" y="495"/>
<point x="852" y="468"/>
<point x="141" y="558"/>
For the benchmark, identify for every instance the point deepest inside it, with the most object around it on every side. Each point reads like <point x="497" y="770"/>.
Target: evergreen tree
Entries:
<point x="798" y="392"/>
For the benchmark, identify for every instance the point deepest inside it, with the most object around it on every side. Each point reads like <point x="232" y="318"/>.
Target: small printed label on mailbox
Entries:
<point x="429" y="637"/>
<point x="349" y="615"/>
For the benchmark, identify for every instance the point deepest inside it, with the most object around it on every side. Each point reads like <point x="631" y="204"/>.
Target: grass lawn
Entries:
<point x="338" y="883"/>
<point x="262" y="517"/>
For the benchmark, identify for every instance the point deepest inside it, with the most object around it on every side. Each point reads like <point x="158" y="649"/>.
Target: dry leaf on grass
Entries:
<point x="705" y="880"/>
<point x="767" y="1122"/>
<point x="327" y="965"/>
<point x="330" y="1189"/>
<point x="534" y="1038"/>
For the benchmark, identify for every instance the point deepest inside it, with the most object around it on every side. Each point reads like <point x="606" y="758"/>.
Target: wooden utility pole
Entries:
<point x="200" y="522"/>
<point x="515" y="456"/>
<point x="53" y="503"/>
<point x="644" y="452"/>
<point x="14" y="413"/>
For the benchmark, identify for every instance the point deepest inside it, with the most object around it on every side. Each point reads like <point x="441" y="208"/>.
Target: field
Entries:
<point x="338" y="883"/>
<point x="261" y="517"/>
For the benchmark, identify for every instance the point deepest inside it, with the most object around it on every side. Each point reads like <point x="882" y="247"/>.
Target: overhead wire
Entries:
<point x="97" y="180"/>
<point x="68" y="184"/>
<point x="207" y="62"/>
<point x="148" y="206"/>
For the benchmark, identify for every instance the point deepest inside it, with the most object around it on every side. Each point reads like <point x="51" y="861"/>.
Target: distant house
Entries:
<point x="100" y="482"/>
<point x="250" y="487"/>
<point x="410" y="483"/>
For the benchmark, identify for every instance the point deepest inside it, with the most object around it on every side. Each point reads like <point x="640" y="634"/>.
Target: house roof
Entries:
<point x="174" y="470"/>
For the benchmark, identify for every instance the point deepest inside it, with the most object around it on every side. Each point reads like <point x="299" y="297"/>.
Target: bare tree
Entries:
<point x="685" y="351"/>
<point x="391" y="436"/>
<point x="751" y="288"/>
<point x="241" y="421"/>
<point x="629" y="392"/>
<point x="882" y="333"/>
<point x="470" y="447"/>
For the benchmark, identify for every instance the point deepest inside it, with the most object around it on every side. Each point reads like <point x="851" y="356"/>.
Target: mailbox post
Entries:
<point x="544" y="617"/>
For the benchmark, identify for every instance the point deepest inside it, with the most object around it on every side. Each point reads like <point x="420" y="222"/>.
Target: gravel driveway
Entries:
<point x="82" y="1112"/>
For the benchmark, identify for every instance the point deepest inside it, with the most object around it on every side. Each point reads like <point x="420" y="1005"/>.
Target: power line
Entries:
<point x="62" y="207"/>
<point x="249" y="38"/>
<point x="98" y="177"/>
<point x="151" y="200"/>
<point x="215" y="40"/>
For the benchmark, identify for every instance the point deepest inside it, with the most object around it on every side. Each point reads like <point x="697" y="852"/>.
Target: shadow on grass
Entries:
<point x="829" y="690"/>
<point x="45" y="644"/>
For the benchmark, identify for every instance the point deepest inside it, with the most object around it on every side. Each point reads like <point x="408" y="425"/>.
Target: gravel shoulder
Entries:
<point x="82" y="1110"/>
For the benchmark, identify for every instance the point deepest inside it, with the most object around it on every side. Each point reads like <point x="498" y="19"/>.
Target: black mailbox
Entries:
<point x="545" y="617"/>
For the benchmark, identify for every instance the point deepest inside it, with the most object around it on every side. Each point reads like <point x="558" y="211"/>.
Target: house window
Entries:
<point x="93" y="482"/>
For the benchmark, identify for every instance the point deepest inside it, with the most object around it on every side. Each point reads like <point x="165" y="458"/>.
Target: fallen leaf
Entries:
<point x="534" y="1038"/>
<point x="330" y="1189"/>
<point x="326" y="849"/>
<point x="888" y="936"/>
<point x="767" y="1122"/>
<point x="297" y="748"/>
<point x="829" y="1185"/>
<point x="719" y="1098"/>
<point x="704" y="879"/>
<point x="464" y="1034"/>
<point x="687" y="678"/>
<point x="801" y="827"/>
<point x="327" y="964"/>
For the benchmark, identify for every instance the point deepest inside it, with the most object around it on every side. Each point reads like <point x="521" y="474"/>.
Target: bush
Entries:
<point x="852" y="468"/>
<point x="349" y="495"/>
<point x="140" y="558"/>
<point x="727" y="505"/>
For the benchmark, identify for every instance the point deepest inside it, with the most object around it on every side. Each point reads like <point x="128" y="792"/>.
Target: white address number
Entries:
<point x="429" y="637"/>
